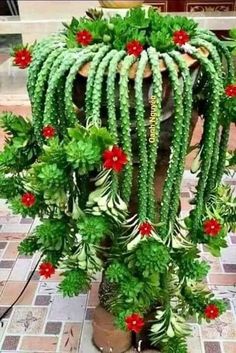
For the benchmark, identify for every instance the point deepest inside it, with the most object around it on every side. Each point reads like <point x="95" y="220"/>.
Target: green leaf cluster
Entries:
<point x="150" y="29"/>
<point x="93" y="228"/>
<point x="74" y="282"/>
<point x="52" y="234"/>
<point x="85" y="149"/>
<point x="29" y="246"/>
<point x="149" y="257"/>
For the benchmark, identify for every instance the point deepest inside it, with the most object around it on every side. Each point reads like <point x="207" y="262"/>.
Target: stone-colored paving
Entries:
<point x="44" y="321"/>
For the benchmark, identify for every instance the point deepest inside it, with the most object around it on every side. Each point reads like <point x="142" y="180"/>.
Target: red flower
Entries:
<point x="212" y="227"/>
<point x="22" y="58"/>
<point x="114" y="159"/>
<point x="48" y="131"/>
<point x="46" y="269"/>
<point x="211" y="312"/>
<point x="134" y="47"/>
<point x="28" y="199"/>
<point x="230" y="90"/>
<point x="180" y="37"/>
<point x="84" y="37"/>
<point x="145" y="229"/>
<point x="134" y="323"/>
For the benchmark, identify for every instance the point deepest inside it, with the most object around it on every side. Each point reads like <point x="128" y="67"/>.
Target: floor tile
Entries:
<point x="86" y="344"/>
<point x="11" y="251"/>
<point x="10" y="343"/>
<point x="212" y="347"/>
<point x="39" y="343"/>
<point x="12" y="236"/>
<point x="50" y="288"/>
<point x="53" y="328"/>
<point x="70" y="338"/>
<point x="6" y="264"/>
<point x="223" y="327"/>
<point x="20" y="270"/>
<point x="224" y="279"/>
<point x="229" y="347"/>
<point x="13" y="289"/>
<point x="42" y="300"/>
<point x="194" y="342"/>
<point x="68" y="309"/>
<point x="93" y="295"/>
<point x="3" y="244"/>
<point x="27" y="320"/>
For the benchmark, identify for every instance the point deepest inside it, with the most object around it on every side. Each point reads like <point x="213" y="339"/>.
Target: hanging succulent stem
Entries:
<point x="40" y="91"/>
<point x="229" y="79"/>
<point x="111" y="98"/>
<point x="111" y="106"/>
<point x="97" y="87"/>
<point x="223" y="50"/>
<point x="211" y="182"/>
<point x="153" y="147"/>
<point x="70" y="112"/>
<point x="210" y="128"/>
<point x="142" y="137"/>
<point x="61" y="104"/>
<point x="50" y="116"/>
<point x="91" y="77"/>
<point x="37" y="64"/>
<point x="187" y="105"/>
<point x="125" y="126"/>
<point x="175" y="145"/>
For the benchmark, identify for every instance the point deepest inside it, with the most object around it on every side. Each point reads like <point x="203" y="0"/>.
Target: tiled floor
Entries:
<point x="44" y="321"/>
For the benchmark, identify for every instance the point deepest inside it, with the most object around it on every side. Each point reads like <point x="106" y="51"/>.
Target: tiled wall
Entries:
<point x="194" y="5"/>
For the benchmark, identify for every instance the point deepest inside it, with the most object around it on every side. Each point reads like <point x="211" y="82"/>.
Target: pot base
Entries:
<point x="106" y="336"/>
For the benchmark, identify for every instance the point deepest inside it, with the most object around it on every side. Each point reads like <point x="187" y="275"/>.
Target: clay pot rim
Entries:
<point x="84" y="71"/>
<point x="125" y="4"/>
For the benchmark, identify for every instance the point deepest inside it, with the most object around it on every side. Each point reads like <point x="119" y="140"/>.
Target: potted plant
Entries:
<point x="102" y="169"/>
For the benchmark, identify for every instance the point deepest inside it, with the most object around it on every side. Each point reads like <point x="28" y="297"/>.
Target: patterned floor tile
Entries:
<point x="50" y="288"/>
<point x="70" y="338"/>
<point x="68" y="309"/>
<point x="222" y="328"/>
<point x="27" y="320"/>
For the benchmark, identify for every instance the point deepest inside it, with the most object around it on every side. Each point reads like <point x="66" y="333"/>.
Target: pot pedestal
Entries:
<point x="106" y="336"/>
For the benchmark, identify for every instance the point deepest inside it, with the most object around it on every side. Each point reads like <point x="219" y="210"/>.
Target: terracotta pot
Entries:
<point x="106" y="336"/>
<point x="121" y="4"/>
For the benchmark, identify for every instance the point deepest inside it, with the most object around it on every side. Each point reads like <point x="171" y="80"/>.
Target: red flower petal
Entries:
<point x="22" y="58"/>
<point x="134" y="47"/>
<point x="114" y="159"/>
<point x="28" y="199"/>
<point x="211" y="312"/>
<point x="134" y="323"/>
<point x="145" y="229"/>
<point x="46" y="269"/>
<point x="48" y="131"/>
<point x="230" y="90"/>
<point x="180" y="37"/>
<point x="84" y="37"/>
<point x="212" y="227"/>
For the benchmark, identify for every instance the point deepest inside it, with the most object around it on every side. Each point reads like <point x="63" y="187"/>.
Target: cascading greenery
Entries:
<point x="76" y="167"/>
